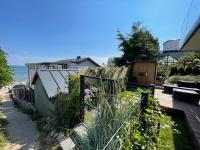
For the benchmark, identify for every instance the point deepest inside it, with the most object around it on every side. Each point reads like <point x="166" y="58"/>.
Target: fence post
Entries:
<point x="143" y="106"/>
<point x="144" y="101"/>
<point x="152" y="89"/>
<point x="82" y="82"/>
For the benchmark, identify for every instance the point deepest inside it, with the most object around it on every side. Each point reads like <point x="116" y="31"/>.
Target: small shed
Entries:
<point x="144" y="71"/>
<point x="47" y="83"/>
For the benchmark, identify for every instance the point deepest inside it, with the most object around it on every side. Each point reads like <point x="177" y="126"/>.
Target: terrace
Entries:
<point x="191" y="113"/>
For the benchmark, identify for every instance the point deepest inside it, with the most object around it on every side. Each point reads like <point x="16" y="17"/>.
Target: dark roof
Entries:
<point x="75" y="60"/>
<point x="67" y="61"/>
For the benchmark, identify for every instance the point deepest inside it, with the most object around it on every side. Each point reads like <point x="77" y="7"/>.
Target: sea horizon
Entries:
<point x="19" y="73"/>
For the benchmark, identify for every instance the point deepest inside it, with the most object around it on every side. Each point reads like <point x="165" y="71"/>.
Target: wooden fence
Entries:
<point x="23" y="93"/>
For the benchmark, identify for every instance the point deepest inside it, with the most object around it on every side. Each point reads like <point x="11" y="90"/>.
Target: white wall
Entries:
<point x="86" y="63"/>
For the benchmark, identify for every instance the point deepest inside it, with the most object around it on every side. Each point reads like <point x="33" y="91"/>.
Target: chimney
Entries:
<point x="78" y="57"/>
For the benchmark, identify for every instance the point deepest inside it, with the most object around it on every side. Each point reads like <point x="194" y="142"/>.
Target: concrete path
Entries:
<point x="192" y="112"/>
<point x="22" y="131"/>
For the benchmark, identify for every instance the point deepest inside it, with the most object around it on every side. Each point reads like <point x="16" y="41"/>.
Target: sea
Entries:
<point x="19" y="73"/>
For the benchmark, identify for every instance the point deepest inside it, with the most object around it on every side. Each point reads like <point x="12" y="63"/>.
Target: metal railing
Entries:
<point x="143" y="102"/>
<point x="83" y="82"/>
<point x="134" y="112"/>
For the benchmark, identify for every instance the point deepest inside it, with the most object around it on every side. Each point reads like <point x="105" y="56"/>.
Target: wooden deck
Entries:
<point x="191" y="111"/>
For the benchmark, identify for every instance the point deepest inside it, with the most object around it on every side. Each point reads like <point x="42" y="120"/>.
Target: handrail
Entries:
<point x="129" y="115"/>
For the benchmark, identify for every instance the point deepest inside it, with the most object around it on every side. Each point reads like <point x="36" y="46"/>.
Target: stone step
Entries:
<point x="67" y="144"/>
<point x="70" y="142"/>
<point x="80" y="131"/>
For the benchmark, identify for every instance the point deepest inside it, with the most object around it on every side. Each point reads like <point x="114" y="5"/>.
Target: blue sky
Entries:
<point x="47" y="30"/>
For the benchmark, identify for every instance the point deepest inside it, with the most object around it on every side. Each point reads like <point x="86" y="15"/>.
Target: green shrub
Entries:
<point x="132" y="134"/>
<point x="163" y="70"/>
<point x="191" y="59"/>
<point x="188" y="71"/>
<point x="196" y="70"/>
<point x="180" y="71"/>
<point x="67" y="106"/>
<point x="173" y="71"/>
<point x="196" y="62"/>
<point x="5" y="71"/>
<point x="174" y="79"/>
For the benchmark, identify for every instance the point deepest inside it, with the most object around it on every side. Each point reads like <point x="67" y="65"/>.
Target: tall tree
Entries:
<point x="5" y="72"/>
<point x="138" y="45"/>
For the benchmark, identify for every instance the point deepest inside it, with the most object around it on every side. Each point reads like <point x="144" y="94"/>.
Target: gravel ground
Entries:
<point x="22" y="131"/>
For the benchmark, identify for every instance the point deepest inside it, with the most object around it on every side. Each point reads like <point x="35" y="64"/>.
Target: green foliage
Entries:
<point x="180" y="71"/>
<point x="163" y="70"/>
<point x="132" y="135"/>
<point x="5" y="72"/>
<point x="188" y="71"/>
<point x="110" y="115"/>
<point x="174" y="134"/>
<point x="196" y="70"/>
<point x="174" y="79"/>
<point x="139" y="44"/>
<point x="67" y="106"/>
<point x="143" y="133"/>
<point x="190" y="60"/>
<point x="173" y="71"/>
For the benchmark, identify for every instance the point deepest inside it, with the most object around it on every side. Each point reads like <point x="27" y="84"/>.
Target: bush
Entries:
<point x="191" y="59"/>
<point x="173" y="71"/>
<point x="181" y="71"/>
<point x="5" y="72"/>
<point x="67" y="106"/>
<point x="188" y="71"/>
<point x="196" y="70"/>
<point x="163" y="70"/>
<point x="133" y="134"/>
<point x="174" y="79"/>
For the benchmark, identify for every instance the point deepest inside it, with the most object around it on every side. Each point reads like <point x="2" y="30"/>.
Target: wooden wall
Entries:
<point x="145" y="72"/>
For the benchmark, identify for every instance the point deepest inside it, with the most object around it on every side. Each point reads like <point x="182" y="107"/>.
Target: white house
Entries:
<point x="61" y="64"/>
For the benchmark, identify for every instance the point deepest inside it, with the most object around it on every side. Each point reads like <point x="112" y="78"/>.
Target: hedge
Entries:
<point x="175" y="78"/>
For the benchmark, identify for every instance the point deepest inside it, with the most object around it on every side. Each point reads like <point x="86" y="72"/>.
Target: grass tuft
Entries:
<point x="3" y="122"/>
<point x="174" y="134"/>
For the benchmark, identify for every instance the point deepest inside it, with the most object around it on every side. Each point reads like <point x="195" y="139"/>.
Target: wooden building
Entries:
<point x="144" y="71"/>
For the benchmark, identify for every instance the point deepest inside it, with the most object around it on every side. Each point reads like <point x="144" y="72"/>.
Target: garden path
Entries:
<point x="22" y="131"/>
<point x="191" y="111"/>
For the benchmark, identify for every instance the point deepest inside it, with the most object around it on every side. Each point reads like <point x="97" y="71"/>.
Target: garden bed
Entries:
<point x="174" y="134"/>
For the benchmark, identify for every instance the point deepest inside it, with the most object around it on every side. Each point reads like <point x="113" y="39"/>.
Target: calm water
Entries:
<point x="20" y="73"/>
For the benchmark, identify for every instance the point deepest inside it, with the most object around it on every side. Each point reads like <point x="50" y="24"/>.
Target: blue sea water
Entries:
<point x="20" y="73"/>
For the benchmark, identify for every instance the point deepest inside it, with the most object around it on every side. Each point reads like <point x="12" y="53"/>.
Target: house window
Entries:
<point x="64" y="66"/>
